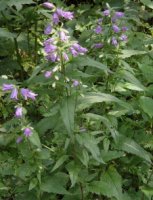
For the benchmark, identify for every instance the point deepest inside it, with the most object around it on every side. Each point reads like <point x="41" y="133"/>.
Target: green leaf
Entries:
<point x="86" y="61"/>
<point x="73" y="170"/>
<point x="55" y="184"/>
<point x="111" y="155"/>
<point x="135" y="83"/>
<point x="60" y="161"/>
<point x="33" y="183"/>
<point x="147" y="3"/>
<point x="129" y="53"/>
<point x="146" y="103"/>
<point x="34" y="139"/>
<point x="93" y="97"/>
<point x="90" y="143"/>
<point x="6" y="33"/>
<point x="130" y="146"/>
<point x="147" y="190"/>
<point x="19" y="4"/>
<point x="67" y="113"/>
<point x="110" y="184"/>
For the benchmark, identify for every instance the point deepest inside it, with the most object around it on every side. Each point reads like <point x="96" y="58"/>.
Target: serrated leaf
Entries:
<point x="93" y="97"/>
<point x="86" y="61"/>
<point x="129" y="53"/>
<point x="55" y="184"/>
<point x="147" y="190"/>
<point x="147" y="3"/>
<point x="60" y="161"/>
<point x="73" y="171"/>
<point x="34" y="139"/>
<point x="90" y="143"/>
<point x="110" y="184"/>
<point x="130" y="146"/>
<point x="146" y="103"/>
<point x="67" y="113"/>
<point x="19" y="4"/>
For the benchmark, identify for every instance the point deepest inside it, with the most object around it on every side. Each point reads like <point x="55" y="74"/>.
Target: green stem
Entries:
<point x="19" y="60"/>
<point x="63" y="71"/>
<point x="36" y="44"/>
<point x="82" y="195"/>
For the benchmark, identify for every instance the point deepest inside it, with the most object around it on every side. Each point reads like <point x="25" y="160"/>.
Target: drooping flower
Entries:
<point x="76" y="83"/>
<point x="65" y="56"/>
<point x="48" y="29"/>
<point x="98" y="29"/>
<point x="14" y="94"/>
<point x="27" y="132"/>
<point x="124" y="28"/>
<point x="65" y="14"/>
<point x="73" y="52"/>
<point x="7" y="87"/>
<point x="52" y="57"/>
<point x="123" y="37"/>
<point x="26" y="93"/>
<point x="50" y="48"/>
<point x="119" y="14"/>
<point x="114" y="41"/>
<point x="56" y="19"/>
<point x="81" y="50"/>
<point x="19" y="140"/>
<point x="63" y="36"/>
<point x="19" y="112"/>
<point x="100" y="20"/>
<point x="116" y="29"/>
<point x="106" y="12"/>
<point x="98" y="45"/>
<point x="48" y="5"/>
<point x="48" y="74"/>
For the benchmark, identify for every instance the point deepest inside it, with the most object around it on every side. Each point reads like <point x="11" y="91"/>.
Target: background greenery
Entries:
<point x="97" y="142"/>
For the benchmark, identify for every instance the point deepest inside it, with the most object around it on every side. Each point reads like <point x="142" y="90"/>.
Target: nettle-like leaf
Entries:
<point x="73" y="170"/>
<point x="67" y="113"/>
<point x="91" y="144"/>
<point x="147" y="3"/>
<point x="146" y="103"/>
<point x="87" y="61"/>
<point x="96" y="97"/>
<point x="129" y="53"/>
<point x="19" y="4"/>
<point x="55" y="183"/>
<point x="110" y="184"/>
<point x="34" y="139"/>
<point x="130" y="146"/>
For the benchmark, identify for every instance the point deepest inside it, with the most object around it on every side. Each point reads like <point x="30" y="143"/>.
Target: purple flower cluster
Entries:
<point x="26" y="93"/>
<point x="116" y="26"/>
<point x="59" y="14"/>
<point x="77" y="49"/>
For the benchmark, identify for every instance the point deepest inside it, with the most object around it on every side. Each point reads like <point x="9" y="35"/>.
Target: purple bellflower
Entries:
<point x="114" y="41"/>
<point x="123" y="37"/>
<point x="14" y="94"/>
<point x="19" y="140"/>
<point x="63" y="36"/>
<point x="98" y="29"/>
<point x="98" y="45"/>
<point x="7" y="87"/>
<point x="27" y="132"/>
<point x="119" y="14"/>
<point x="48" y="29"/>
<point x="26" y="93"/>
<point x="106" y="12"/>
<point x="19" y="112"/>
<point x="48" y="74"/>
<point x="116" y="29"/>
<point x="56" y="19"/>
<point x="48" y="5"/>
<point x="76" y="83"/>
